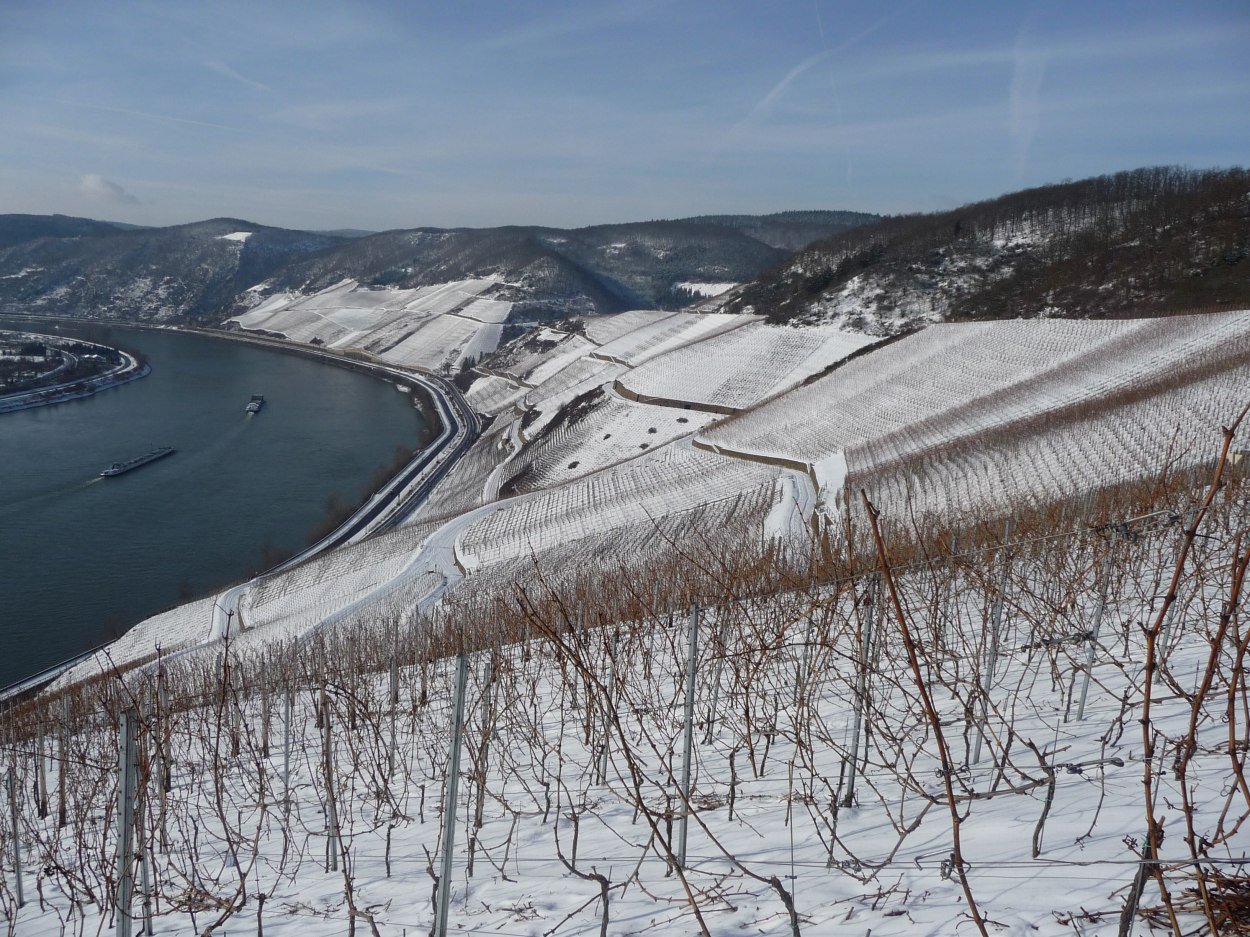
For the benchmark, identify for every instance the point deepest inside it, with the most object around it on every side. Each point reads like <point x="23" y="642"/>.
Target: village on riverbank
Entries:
<point x="38" y="369"/>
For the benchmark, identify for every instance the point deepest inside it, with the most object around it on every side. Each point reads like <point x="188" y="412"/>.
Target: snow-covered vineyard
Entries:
<point x="588" y="458"/>
<point x="859" y="721"/>
<point x="903" y="748"/>
<point x="432" y="328"/>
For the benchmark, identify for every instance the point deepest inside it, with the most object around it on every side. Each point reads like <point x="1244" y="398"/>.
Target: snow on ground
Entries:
<point x="291" y="604"/>
<point x="1166" y="431"/>
<point x="534" y="357"/>
<point x="575" y="423"/>
<point x="705" y="289"/>
<point x="464" y="486"/>
<point x="877" y="305"/>
<point x="273" y="609"/>
<point x="576" y="378"/>
<point x="492" y="394"/>
<point x="926" y="407"/>
<point x="431" y="327"/>
<point x="167" y="632"/>
<point x="630" y="495"/>
<point x="593" y="432"/>
<point x="830" y="475"/>
<point x="603" y="329"/>
<point x="661" y="335"/>
<point x="960" y="417"/>
<point x="494" y="311"/>
<point x="442" y="343"/>
<point x="811" y="784"/>
<point x="699" y="528"/>
<point x="789" y="519"/>
<point x="738" y="369"/>
<point x="238" y="236"/>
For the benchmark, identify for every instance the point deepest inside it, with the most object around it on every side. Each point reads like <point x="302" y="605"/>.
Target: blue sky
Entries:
<point x="382" y="115"/>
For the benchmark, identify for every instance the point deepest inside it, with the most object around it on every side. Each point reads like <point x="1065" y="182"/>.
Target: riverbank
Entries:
<point x="223" y="617"/>
<point x="357" y="361"/>
<point x="129" y="369"/>
<point x="244" y="493"/>
<point x="452" y="429"/>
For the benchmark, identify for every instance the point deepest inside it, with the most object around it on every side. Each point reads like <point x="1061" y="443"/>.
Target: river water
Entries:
<point x="82" y="557"/>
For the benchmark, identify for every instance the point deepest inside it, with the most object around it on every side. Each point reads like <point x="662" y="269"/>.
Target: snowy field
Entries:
<point x="960" y="419"/>
<point x="739" y="369"/>
<point x="601" y="464"/>
<point x="306" y="795"/>
<point x="1061" y="405"/>
<point x="433" y="328"/>
<point x="705" y="289"/>
<point x="654" y="338"/>
<point x="820" y="760"/>
<point x="629" y="495"/>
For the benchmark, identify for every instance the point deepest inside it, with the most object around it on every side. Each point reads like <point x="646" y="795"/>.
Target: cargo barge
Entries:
<point x="121" y="468"/>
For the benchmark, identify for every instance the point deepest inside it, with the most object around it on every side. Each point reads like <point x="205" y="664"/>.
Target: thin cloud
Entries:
<point x="105" y="191"/>
<point x="765" y="104"/>
<point x="1024" y="101"/>
<point x="221" y="68"/>
<point x="1143" y="45"/>
<point x="568" y="24"/>
<point x="148" y="115"/>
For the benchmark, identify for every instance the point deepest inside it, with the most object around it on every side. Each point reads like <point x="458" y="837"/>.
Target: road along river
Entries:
<point x="82" y="558"/>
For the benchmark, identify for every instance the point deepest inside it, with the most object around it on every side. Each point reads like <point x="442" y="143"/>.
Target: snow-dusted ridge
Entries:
<point x="705" y="289"/>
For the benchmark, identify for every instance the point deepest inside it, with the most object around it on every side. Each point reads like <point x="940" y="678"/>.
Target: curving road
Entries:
<point x="395" y="502"/>
<point x="386" y="509"/>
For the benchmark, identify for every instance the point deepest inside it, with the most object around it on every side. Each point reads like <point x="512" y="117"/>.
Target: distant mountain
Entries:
<point x="213" y="269"/>
<point x="18" y="229"/>
<point x="604" y="268"/>
<point x="1137" y="242"/>
<point x="192" y="270"/>
<point x="347" y="233"/>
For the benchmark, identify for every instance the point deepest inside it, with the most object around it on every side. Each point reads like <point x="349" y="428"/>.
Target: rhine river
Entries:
<point x="82" y="558"/>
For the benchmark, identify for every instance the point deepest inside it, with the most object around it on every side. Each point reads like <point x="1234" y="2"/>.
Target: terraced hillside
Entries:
<point x="979" y="417"/>
<point x="1035" y="730"/>
<point x="615" y="442"/>
<point x="944" y="630"/>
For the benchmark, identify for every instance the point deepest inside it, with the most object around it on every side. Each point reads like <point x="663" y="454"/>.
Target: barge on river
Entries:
<point x="121" y="468"/>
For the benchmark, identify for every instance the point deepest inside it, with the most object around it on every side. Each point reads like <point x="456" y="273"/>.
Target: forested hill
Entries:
<point x="18" y="229"/>
<point x="1144" y="241"/>
<point x="791" y="230"/>
<point x="212" y="269"/>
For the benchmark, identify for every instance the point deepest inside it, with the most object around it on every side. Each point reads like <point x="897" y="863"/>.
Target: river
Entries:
<point x="82" y="558"/>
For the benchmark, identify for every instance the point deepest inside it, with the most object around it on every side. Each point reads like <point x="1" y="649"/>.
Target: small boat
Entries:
<point x="254" y="405"/>
<point x="121" y="468"/>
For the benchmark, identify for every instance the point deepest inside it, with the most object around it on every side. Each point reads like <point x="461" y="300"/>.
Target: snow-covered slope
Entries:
<point x="738" y="369"/>
<point x="433" y="328"/>
<point x="584" y="451"/>
<point x="978" y="416"/>
<point x="832" y="739"/>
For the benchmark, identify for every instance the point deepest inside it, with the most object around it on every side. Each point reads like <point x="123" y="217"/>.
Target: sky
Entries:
<point x="374" y="115"/>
